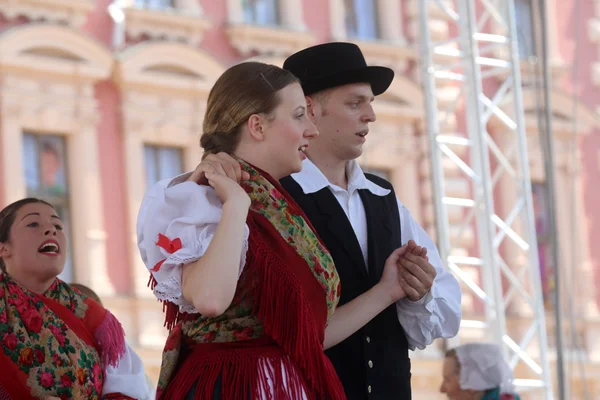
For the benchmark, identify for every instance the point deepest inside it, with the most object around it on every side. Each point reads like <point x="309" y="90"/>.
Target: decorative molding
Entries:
<point x="175" y="24"/>
<point x="56" y="50"/>
<point x="40" y="64"/>
<point x="167" y="66"/>
<point x="68" y="12"/>
<point x="276" y="41"/>
<point x="387" y="54"/>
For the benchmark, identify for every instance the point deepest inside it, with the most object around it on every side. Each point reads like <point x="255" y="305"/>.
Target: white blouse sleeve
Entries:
<point x="128" y="378"/>
<point x="175" y="225"/>
<point x="438" y="313"/>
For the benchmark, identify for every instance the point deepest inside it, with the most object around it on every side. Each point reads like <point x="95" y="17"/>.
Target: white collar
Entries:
<point x="311" y="179"/>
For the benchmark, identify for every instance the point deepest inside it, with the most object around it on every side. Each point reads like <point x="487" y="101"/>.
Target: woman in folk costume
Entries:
<point x="477" y="371"/>
<point x="250" y="291"/>
<point x="56" y="342"/>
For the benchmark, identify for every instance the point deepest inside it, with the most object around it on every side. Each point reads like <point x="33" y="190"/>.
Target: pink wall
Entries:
<point x="114" y="188"/>
<point x="111" y="157"/>
<point x="99" y="23"/>
<point x="317" y="19"/>
<point x="580" y="53"/>
<point x="215" y="42"/>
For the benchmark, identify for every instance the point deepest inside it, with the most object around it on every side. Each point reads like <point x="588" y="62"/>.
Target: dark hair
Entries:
<point x="244" y="89"/>
<point x="7" y="218"/>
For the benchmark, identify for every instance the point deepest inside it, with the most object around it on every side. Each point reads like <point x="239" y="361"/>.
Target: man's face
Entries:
<point x="342" y="116"/>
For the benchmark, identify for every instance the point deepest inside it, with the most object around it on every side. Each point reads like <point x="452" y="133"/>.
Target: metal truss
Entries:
<point x="479" y="65"/>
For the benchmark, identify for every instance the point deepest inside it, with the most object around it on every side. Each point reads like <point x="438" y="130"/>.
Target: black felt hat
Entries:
<point x="335" y="64"/>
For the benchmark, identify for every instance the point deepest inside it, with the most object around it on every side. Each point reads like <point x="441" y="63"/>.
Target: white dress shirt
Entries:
<point x="438" y="313"/>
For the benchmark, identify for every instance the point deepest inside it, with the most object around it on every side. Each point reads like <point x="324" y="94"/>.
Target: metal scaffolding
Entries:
<point x="479" y="67"/>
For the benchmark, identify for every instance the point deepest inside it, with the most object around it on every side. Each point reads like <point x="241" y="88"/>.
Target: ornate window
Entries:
<point x="176" y="20"/>
<point x="153" y="4"/>
<point x="367" y="20"/>
<point x="261" y="12"/>
<point x="45" y="165"/>
<point x="162" y="162"/>
<point x="376" y="26"/>
<point x="40" y="64"/>
<point x="274" y="27"/>
<point x="525" y="31"/>
<point x="164" y="89"/>
<point x="361" y="19"/>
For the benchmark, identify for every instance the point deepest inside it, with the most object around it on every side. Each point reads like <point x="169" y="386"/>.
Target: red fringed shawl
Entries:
<point x="275" y="326"/>
<point x="57" y="344"/>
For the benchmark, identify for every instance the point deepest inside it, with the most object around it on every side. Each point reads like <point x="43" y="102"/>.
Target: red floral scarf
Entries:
<point x="287" y="291"/>
<point x="57" y="344"/>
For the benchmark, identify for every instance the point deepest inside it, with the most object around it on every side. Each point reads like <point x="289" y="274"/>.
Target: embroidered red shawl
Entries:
<point x="57" y="344"/>
<point x="287" y="291"/>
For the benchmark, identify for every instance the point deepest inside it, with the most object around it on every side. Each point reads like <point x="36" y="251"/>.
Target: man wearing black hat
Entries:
<point x="361" y="222"/>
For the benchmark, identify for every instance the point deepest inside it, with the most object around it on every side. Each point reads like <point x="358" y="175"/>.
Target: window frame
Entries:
<point x="60" y="202"/>
<point x="156" y="150"/>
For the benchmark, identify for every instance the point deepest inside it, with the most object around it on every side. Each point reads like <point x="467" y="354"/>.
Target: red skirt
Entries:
<point x="251" y="369"/>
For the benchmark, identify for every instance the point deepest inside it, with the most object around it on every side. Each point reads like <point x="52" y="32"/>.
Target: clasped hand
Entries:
<point x="408" y="273"/>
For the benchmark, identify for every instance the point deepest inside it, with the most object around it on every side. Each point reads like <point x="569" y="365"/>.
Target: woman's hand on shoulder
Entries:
<point x="220" y="164"/>
<point x="229" y="191"/>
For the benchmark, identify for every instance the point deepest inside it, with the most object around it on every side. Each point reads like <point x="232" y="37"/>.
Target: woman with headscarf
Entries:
<point x="477" y="371"/>
<point x="55" y="342"/>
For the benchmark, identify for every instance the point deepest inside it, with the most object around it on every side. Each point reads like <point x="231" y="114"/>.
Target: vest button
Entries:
<point x="369" y="389"/>
<point x="370" y="364"/>
<point x="368" y="339"/>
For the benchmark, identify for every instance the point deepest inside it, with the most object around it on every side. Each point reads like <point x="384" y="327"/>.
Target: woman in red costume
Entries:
<point x="249" y="289"/>
<point x="56" y="343"/>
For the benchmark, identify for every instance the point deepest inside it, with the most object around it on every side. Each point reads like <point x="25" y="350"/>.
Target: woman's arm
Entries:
<point x="210" y="282"/>
<point x="352" y="316"/>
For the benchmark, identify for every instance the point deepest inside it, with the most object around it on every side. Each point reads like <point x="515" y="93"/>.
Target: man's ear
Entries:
<point x="311" y="109"/>
<point x="256" y="125"/>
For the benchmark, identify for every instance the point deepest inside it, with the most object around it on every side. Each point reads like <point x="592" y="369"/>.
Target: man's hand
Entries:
<point x="416" y="271"/>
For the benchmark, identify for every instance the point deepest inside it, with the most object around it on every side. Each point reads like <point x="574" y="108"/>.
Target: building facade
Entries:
<point x="99" y="99"/>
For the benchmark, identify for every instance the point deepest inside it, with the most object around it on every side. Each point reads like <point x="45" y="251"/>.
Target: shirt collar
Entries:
<point x="311" y="179"/>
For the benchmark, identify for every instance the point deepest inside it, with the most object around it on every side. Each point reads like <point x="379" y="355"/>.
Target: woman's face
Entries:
<point x="451" y="381"/>
<point x="289" y="132"/>
<point x="37" y="243"/>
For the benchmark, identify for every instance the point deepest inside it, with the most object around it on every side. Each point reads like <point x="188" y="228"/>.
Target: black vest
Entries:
<point x="373" y="363"/>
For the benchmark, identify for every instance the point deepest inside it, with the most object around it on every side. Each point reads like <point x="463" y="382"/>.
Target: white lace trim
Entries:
<point x="169" y="287"/>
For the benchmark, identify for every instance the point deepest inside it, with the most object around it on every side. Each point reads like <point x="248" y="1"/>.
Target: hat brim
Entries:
<point x="380" y="79"/>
